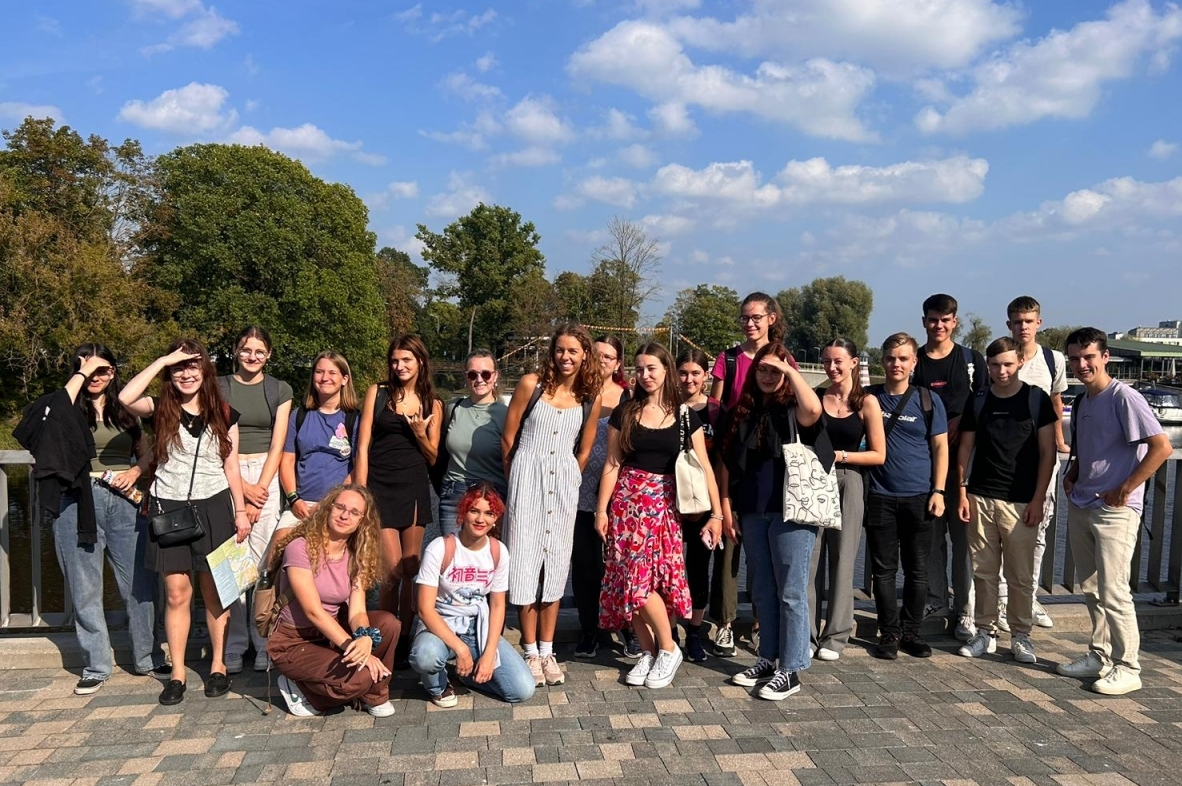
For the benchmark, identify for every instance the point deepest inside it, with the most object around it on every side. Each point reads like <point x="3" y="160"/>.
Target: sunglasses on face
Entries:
<point x="486" y="375"/>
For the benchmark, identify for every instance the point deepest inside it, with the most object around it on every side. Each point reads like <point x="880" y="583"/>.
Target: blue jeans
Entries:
<point x="450" y="494"/>
<point x="778" y="556"/>
<point x="121" y="537"/>
<point x="511" y="681"/>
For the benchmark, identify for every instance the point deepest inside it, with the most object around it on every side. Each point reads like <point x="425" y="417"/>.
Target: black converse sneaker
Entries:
<point x="762" y="671"/>
<point x="781" y="686"/>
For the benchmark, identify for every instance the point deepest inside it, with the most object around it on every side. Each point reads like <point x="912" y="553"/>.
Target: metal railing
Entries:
<point x="1157" y="560"/>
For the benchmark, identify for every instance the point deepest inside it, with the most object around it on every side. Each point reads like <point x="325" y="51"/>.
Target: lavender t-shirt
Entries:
<point x="1110" y="432"/>
<point x="332" y="582"/>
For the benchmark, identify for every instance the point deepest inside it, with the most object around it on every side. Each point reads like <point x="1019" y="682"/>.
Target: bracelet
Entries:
<point x="601" y="513"/>
<point x="714" y="516"/>
<point x="79" y="374"/>
<point x="374" y="634"/>
<point x="291" y="497"/>
<point x="938" y="491"/>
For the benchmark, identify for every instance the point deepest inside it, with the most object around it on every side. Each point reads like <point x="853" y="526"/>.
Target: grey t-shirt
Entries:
<point x="474" y="442"/>
<point x="254" y="425"/>
<point x="1110" y="433"/>
<point x="114" y="448"/>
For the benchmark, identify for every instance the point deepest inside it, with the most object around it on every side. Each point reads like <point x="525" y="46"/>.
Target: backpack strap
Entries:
<point x="494" y="546"/>
<point x="731" y="359"/>
<point x="271" y="396"/>
<point x="1049" y="357"/>
<point x="925" y="403"/>
<point x="1035" y="404"/>
<point x="979" y="405"/>
<point x="449" y="552"/>
<point x="382" y="400"/>
<point x="224" y="386"/>
<point x="351" y="424"/>
<point x="534" y="398"/>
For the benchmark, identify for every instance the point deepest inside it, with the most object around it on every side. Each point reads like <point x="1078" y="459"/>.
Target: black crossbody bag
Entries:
<point x="183" y="523"/>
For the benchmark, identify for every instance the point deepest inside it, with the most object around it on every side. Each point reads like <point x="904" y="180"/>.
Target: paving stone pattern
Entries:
<point x="949" y="720"/>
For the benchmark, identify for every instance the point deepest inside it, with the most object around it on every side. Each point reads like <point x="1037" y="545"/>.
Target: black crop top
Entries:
<point x="845" y="433"/>
<point x="654" y="449"/>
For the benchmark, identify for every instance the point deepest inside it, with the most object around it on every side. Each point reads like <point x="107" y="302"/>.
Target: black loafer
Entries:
<point x="173" y="693"/>
<point x="218" y="684"/>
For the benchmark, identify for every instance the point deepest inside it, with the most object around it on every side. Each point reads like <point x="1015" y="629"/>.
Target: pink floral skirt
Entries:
<point x="644" y="549"/>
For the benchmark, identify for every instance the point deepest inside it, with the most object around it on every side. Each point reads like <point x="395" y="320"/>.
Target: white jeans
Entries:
<point x="241" y="631"/>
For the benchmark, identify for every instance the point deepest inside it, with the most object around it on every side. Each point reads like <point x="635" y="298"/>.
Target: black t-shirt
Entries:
<point x="654" y="449"/>
<point x="951" y="379"/>
<point x="1005" y="460"/>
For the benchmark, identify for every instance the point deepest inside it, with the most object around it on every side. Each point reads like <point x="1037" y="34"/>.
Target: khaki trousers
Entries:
<point x="1102" y="542"/>
<point x="996" y="531"/>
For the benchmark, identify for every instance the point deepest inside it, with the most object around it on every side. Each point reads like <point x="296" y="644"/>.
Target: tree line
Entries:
<point x="101" y="242"/>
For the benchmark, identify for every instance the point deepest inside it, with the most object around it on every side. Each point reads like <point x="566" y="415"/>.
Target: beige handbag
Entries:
<point x="693" y="493"/>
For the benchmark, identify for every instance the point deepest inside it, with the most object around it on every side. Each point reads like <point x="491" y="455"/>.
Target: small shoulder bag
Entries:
<point x="693" y="492"/>
<point x="182" y="524"/>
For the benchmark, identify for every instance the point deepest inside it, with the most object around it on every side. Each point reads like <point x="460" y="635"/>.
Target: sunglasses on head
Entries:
<point x="486" y="375"/>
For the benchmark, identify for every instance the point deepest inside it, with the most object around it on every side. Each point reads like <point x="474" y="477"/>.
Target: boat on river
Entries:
<point x="1166" y="405"/>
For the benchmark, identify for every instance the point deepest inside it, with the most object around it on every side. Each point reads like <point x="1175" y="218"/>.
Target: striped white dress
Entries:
<point x="543" y="498"/>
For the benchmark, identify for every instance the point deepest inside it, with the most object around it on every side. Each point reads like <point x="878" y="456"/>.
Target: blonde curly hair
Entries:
<point x="364" y="545"/>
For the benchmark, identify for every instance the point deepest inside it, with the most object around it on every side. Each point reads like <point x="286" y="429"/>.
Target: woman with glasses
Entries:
<point x="762" y="322"/>
<point x="471" y="439"/>
<point x="587" y="557"/>
<point x="397" y="442"/>
<point x="328" y="649"/>
<point x="263" y="404"/>
<point x="122" y="457"/>
<point x="196" y="456"/>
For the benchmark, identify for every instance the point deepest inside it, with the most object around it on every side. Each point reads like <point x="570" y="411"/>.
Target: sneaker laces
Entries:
<point x="761" y="665"/>
<point x="780" y="680"/>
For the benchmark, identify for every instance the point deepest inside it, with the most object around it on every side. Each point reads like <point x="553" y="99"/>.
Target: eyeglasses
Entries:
<point x="607" y="358"/>
<point x="352" y="513"/>
<point x="754" y="319"/>
<point x="261" y="354"/>
<point x="484" y="374"/>
<point x="181" y="368"/>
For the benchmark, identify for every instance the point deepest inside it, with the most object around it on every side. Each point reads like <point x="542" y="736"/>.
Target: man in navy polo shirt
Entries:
<point x="906" y="497"/>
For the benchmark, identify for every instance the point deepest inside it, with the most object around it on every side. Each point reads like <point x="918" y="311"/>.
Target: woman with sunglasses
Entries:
<point x="121" y="450"/>
<point x="196" y="456"/>
<point x="264" y="404"/>
<point x="471" y="439"/>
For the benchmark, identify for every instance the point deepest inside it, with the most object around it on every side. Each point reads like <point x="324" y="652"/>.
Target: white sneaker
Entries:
<point x="1022" y="648"/>
<point x="1088" y="665"/>
<point x="827" y="654"/>
<point x="1041" y="618"/>
<point x="664" y="669"/>
<point x="297" y="704"/>
<point x="1003" y="624"/>
<point x="383" y="710"/>
<point x="639" y="672"/>
<point x="982" y="643"/>
<point x="965" y="629"/>
<point x="1117" y="682"/>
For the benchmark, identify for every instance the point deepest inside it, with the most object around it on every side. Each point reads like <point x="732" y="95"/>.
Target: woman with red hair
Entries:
<point x="462" y="586"/>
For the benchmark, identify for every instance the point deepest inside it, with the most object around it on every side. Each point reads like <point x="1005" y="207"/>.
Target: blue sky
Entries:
<point x="986" y="149"/>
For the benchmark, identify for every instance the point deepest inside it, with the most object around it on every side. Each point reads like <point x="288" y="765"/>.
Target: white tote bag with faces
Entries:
<point x="811" y="495"/>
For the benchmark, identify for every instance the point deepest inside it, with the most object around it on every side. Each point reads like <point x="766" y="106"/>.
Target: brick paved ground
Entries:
<point x="948" y="720"/>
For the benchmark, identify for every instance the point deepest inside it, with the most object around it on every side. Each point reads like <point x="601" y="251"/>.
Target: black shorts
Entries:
<point x="217" y="513"/>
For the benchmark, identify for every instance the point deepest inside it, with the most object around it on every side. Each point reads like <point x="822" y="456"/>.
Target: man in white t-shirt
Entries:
<point x="1047" y="369"/>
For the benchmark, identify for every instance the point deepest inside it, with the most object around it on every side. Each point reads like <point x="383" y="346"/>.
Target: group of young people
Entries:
<point x="575" y="477"/>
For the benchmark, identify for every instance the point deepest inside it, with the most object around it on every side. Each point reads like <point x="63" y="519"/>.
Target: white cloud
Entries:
<point x="401" y="238"/>
<point x="203" y="27"/>
<point x="1061" y="75"/>
<point x="486" y="63"/>
<point x="469" y="89"/>
<point x="617" y="125"/>
<point x="1120" y="203"/>
<point x="1161" y="149"/>
<point x="894" y="36"/>
<point x="818" y="97"/>
<point x="473" y="136"/>
<point x="440" y="25"/>
<point x="17" y="111"/>
<point x="568" y="202"/>
<point x="306" y="142"/>
<point x="662" y="7"/>
<point x="956" y="179"/>
<point x="462" y="195"/>
<point x="673" y="120"/>
<point x="612" y="190"/>
<point x="530" y="156"/>
<point x="638" y="156"/>
<point x="403" y="189"/>
<point x="534" y="120"/>
<point x="736" y="182"/>
<point x="193" y="109"/>
<point x="658" y="225"/>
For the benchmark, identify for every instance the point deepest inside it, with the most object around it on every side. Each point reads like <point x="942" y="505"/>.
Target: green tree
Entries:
<point x="979" y="333"/>
<point x="573" y="292"/>
<point x="483" y="255"/>
<point x="533" y="305"/>
<point x="624" y="275"/>
<point x="1056" y="337"/>
<point x="705" y="314"/>
<point x="245" y="235"/>
<point x="64" y="202"/>
<point x="403" y="286"/>
<point x="825" y="309"/>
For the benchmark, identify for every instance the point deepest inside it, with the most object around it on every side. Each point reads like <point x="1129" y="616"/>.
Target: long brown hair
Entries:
<point x="753" y="402"/>
<point x="670" y="394"/>
<point x="588" y="380"/>
<point x="776" y="329"/>
<point x="424" y="387"/>
<point x="364" y="545"/>
<point x="857" y="393"/>
<point x="348" y="392"/>
<point x="209" y="400"/>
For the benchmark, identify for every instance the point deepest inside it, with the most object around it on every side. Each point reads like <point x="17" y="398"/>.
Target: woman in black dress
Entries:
<point x="398" y="441"/>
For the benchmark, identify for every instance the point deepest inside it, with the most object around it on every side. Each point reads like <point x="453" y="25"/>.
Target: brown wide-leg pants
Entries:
<point x="305" y="656"/>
